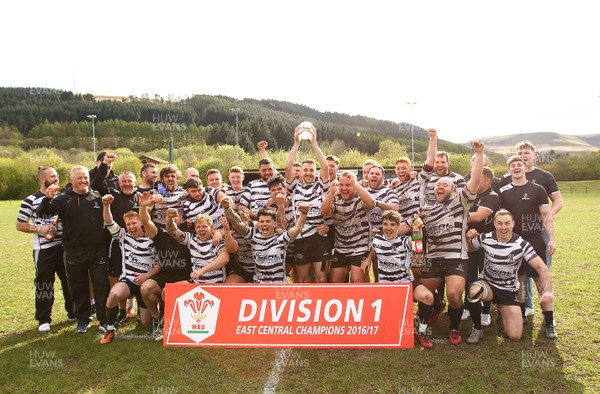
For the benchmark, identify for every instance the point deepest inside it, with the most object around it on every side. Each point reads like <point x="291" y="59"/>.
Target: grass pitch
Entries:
<point x="61" y="361"/>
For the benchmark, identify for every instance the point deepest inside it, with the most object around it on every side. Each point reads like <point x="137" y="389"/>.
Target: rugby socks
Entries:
<point x="122" y="313"/>
<point x="455" y="316"/>
<point x="474" y="309"/>
<point x="111" y="315"/>
<point x="424" y="312"/>
<point x="549" y="318"/>
<point x="522" y="305"/>
<point x="487" y="307"/>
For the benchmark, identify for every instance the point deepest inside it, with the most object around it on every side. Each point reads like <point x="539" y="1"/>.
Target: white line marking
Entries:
<point x="278" y="366"/>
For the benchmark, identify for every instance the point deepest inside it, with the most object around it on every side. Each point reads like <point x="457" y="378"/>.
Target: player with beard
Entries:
<point x="481" y="218"/>
<point x="348" y="203"/>
<point x="310" y="245"/>
<point x="528" y="203"/>
<point x="385" y="198"/>
<point x="47" y="251"/>
<point x="445" y="224"/>
<point x="175" y="264"/>
<point x="172" y="195"/>
<point x="526" y="151"/>
<point x="256" y="193"/>
<point x="505" y="252"/>
<point x="140" y="262"/>
<point x="202" y="200"/>
<point x="268" y="247"/>
<point x="80" y="211"/>
<point x="149" y="175"/>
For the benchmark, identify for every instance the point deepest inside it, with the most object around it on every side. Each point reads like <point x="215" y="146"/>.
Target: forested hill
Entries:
<point x="51" y="117"/>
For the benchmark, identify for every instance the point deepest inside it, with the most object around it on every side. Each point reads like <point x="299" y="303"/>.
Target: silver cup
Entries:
<point x="306" y="131"/>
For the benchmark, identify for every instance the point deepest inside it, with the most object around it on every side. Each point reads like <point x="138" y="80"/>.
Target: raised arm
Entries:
<point x="324" y="171"/>
<point x="327" y="205"/>
<point x="234" y="220"/>
<point x="262" y="148"/>
<point x="146" y="202"/>
<point x="289" y="162"/>
<point x="476" y="167"/>
<point x="172" y="228"/>
<point x="295" y="230"/>
<point x="363" y="193"/>
<point x="106" y="213"/>
<point x="431" y="148"/>
<point x="231" y="245"/>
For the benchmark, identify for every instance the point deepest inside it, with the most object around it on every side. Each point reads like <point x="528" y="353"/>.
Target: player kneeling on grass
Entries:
<point x="391" y="251"/>
<point x="140" y="262"/>
<point x="504" y="252"/>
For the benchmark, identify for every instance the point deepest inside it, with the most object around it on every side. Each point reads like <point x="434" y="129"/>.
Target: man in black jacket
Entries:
<point x="80" y="211"/>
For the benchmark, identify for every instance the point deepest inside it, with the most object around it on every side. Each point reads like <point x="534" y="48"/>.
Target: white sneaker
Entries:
<point x="45" y="327"/>
<point x="529" y="312"/>
<point x="466" y="314"/>
<point x="486" y="319"/>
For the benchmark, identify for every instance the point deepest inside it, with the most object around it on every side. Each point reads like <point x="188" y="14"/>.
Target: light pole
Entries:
<point x="237" y="145"/>
<point x="412" y="132"/>
<point x="93" y="118"/>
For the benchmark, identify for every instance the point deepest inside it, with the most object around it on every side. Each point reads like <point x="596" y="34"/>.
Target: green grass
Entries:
<point x="77" y="363"/>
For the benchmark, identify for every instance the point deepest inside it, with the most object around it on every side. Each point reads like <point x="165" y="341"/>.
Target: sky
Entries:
<point x="473" y="68"/>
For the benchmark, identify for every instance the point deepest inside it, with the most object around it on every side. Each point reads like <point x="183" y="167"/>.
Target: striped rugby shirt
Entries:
<point x="351" y="222"/>
<point x="208" y="204"/>
<point x="408" y="197"/>
<point x="269" y="255"/>
<point x="172" y="199"/>
<point x="502" y="260"/>
<point x="393" y="259"/>
<point x="27" y="213"/>
<point x="312" y="194"/>
<point x="255" y="195"/>
<point x="203" y="252"/>
<point x="446" y="224"/>
<point x="429" y="179"/>
<point x="139" y="254"/>
<point x="384" y="194"/>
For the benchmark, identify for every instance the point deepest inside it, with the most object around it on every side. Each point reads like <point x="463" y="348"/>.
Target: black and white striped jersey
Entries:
<point x="244" y="253"/>
<point x="393" y="259"/>
<point x="208" y="204"/>
<point x="384" y="194"/>
<point x="138" y="254"/>
<point x="269" y="255"/>
<point x="312" y="194"/>
<point x="255" y="195"/>
<point x="408" y="197"/>
<point x="351" y="222"/>
<point x="429" y="179"/>
<point x="235" y="195"/>
<point x="445" y="226"/>
<point x="502" y="260"/>
<point x="172" y="199"/>
<point x="27" y="213"/>
<point x="203" y="252"/>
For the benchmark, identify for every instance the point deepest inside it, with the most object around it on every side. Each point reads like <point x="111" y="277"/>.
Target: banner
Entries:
<point x="289" y="315"/>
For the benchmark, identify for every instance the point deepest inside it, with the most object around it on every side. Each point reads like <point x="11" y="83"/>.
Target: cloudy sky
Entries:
<point x="473" y="68"/>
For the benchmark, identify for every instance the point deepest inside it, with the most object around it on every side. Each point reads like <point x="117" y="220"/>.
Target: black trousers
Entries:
<point x="79" y="263"/>
<point x="49" y="264"/>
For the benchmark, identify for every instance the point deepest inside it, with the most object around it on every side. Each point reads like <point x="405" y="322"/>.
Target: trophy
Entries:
<point x="306" y="131"/>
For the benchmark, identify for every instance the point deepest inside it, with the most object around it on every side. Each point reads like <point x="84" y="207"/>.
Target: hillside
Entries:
<point x="51" y="117"/>
<point x="545" y="142"/>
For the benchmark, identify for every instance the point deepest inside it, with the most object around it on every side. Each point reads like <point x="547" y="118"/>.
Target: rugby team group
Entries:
<point x="111" y="239"/>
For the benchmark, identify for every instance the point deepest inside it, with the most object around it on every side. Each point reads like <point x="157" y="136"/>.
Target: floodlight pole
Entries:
<point x="412" y="131"/>
<point x="93" y="118"/>
<point x="237" y="145"/>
